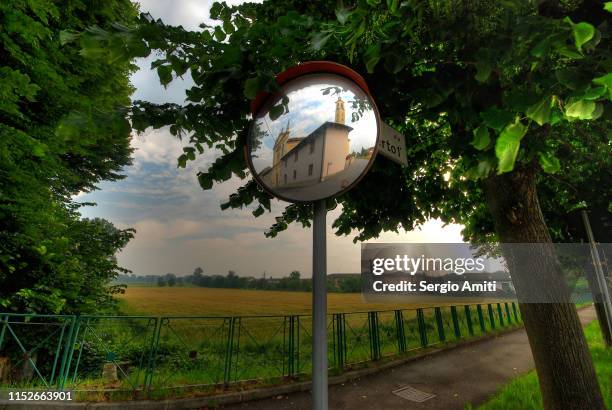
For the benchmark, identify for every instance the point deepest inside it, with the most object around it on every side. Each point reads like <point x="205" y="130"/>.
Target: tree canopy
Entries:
<point x="476" y="87"/>
<point x="63" y="129"/>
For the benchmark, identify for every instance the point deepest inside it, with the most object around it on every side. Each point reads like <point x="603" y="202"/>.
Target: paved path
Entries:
<point x="464" y="374"/>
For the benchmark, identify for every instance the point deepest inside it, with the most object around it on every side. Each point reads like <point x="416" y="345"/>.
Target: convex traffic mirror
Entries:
<point x="314" y="139"/>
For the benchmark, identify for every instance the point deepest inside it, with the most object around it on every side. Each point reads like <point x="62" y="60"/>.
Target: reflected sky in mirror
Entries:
<point x="314" y="139"/>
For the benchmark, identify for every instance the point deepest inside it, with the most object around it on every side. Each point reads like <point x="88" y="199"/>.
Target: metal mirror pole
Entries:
<point x="319" y="308"/>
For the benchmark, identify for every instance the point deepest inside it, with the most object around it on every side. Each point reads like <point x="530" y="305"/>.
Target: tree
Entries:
<point x="294" y="275"/>
<point x="63" y="129"/>
<point x="170" y="279"/>
<point x="486" y="93"/>
<point x="161" y="281"/>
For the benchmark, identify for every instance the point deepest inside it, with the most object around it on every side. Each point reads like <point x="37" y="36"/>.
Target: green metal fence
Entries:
<point x="151" y="354"/>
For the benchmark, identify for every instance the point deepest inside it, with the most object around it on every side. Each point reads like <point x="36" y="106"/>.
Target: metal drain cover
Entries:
<point x="412" y="394"/>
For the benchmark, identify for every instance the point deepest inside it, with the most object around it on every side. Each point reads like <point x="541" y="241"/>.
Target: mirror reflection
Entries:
<point x="315" y="139"/>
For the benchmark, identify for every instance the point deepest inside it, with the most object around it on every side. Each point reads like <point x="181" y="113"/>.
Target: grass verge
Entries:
<point x="524" y="392"/>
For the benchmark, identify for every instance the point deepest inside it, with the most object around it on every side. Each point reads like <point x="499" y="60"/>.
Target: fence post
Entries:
<point x="297" y="343"/>
<point x="455" y="322"/>
<point x="76" y="365"/>
<point x="229" y="351"/>
<point x="153" y="352"/>
<point x="481" y="318"/>
<point x="58" y="349"/>
<point x="75" y="335"/>
<point x="468" y="319"/>
<point x="440" y="324"/>
<point x="292" y="344"/>
<point x="422" y="327"/>
<point x="501" y="315"/>
<point x="339" y="340"/>
<point x="516" y="318"/>
<point x="4" y="322"/>
<point x="399" y="331"/>
<point x="491" y="316"/>
<point x="63" y="370"/>
<point x="374" y="336"/>
<point x="288" y="345"/>
<point x="508" y="313"/>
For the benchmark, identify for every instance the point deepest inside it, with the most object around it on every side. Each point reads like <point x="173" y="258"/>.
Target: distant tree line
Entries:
<point x="344" y="283"/>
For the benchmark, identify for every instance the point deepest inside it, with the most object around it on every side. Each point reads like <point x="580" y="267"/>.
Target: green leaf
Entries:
<point x="252" y="86"/>
<point x="483" y="71"/>
<point x="556" y="116"/>
<point x="496" y="118"/>
<point x="182" y="161"/>
<point x="228" y="26"/>
<point x="165" y="74"/>
<point x="593" y="93"/>
<point x="392" y="4"/>
<point x="68" y="36"/>
<point x="342" y="15"/>
<point x="541" y="48"/>
<point x="258" y="212"/>
<point x="190" y="152"/>
<point x="583" y="32"/>
<point x="90" y="47"/>
<point x="568" y="52"/>
<point x="608" y="6"/>
<point x="319" y="40"/>
<point x="507" y="146"/>
<point x="549" y="162"/>
<point x="215" y="10"/>
<point x="605" y="80"/>
<point x="480" y="171"/>
<point x="599" y="109"/>
<point x="540" y="112"/>
<point x="205" y="181"/>
<point x="484" y="168"/>
<point x="219" y="34"/>
<point x="481" y="138"/>
<point x="38" y="150"/>
<point x="371" y="57"/>
<point x="579" y="109"/>
<point x="276" y="112"/>
<point x="572" y="78"/>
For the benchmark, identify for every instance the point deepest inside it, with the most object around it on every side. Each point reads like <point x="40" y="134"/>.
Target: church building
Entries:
<point x="299" y="162"/>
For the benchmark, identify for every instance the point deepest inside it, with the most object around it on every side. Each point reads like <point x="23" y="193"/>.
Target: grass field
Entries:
<point x="191" y="301"/>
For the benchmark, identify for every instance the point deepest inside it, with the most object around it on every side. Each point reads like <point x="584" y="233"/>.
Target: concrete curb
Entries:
<point x="247" y="395"/>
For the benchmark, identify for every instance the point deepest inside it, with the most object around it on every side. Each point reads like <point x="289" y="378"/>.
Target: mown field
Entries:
<point x="192" y="301"/>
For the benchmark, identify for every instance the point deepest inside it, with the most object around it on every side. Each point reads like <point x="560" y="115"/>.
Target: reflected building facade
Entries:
<point x="304" y="161"/>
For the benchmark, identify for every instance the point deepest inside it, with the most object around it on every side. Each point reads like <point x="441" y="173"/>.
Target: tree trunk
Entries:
<point x="561" y="355"/>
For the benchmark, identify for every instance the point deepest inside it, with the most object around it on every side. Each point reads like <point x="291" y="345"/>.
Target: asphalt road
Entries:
<point x="465" y="374"/>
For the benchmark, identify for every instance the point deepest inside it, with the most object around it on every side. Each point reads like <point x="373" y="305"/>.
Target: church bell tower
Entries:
<point x="340" y="111"/>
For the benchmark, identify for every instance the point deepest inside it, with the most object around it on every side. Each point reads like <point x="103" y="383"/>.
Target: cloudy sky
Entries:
<point x="180" y="226"/>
